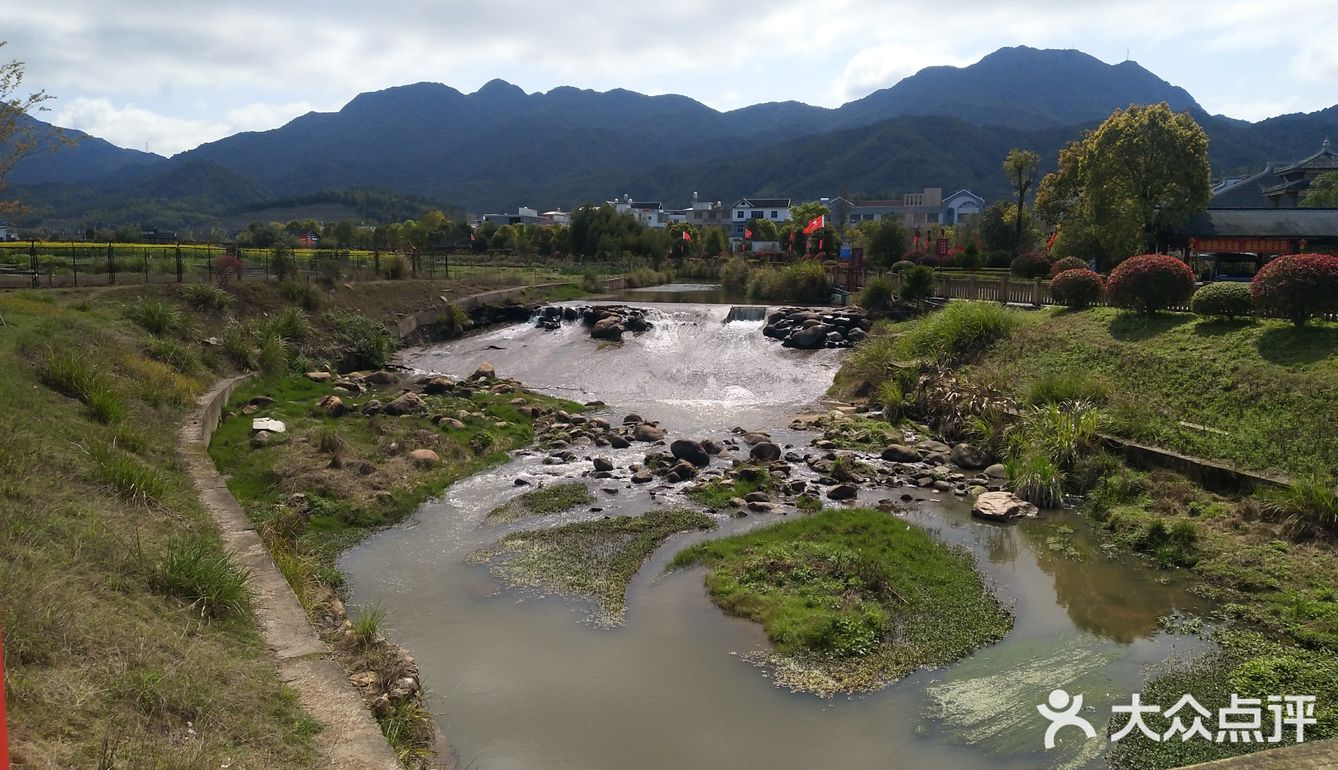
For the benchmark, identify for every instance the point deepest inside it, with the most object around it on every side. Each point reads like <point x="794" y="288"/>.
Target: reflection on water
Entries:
<point x="523" y="682"/>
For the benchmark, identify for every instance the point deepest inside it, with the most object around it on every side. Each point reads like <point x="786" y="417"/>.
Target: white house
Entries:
<point x="648" y="213"/>
<point x="962" y="203"/>
<point x="775" y="210"/>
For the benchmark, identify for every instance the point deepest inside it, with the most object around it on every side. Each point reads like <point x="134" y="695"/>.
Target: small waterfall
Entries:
<point x="746" y="313"/>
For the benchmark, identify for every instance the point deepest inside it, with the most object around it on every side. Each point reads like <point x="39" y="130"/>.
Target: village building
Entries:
<point x="648" y="213"/>
<point x="775" y="210"/>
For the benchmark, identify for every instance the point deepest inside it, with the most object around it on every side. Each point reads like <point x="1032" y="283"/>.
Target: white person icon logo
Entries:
<point x="1063" y="712"/>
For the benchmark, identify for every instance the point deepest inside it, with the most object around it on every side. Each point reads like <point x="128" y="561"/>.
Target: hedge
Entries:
<point x="1150" y="282"/>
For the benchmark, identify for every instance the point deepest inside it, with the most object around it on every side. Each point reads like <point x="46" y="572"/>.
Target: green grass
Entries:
<point x="368" y="625"/>
<point x="851" y="599"/>
<point x="590" y="559"/>
<point x="1249" y="391"/>
<point x="1247" y="664"/>
<point x="106" y="661"/>
<point x="718" y="493"/>
<point x="959" y="332"/>
<point x="156" y="316"/>
<point x="197" y="572"/>
<point x="548" y="499"/>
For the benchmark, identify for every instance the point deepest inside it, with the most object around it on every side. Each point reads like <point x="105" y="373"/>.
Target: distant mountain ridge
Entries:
<point x="499" y="147"/>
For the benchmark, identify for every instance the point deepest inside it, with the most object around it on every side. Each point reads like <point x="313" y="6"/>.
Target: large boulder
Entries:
<point x="484" y="372"/>
<point x="436" y="386"/>
<point x="934" y="447"/>
<point x="814" y="336"/>
<point x="843" y="492"/>
<point x="602" y="464"/>
<point x="996" y="471"/>
<point x="692" y="451"/>
<point x="968" y="456"/>
<point x="766" y="452"/>
<point x="382" y="377"/>
<point x="424" y="458"/>
<point x="900" y="453"/>
<point x="1002" y="506"/>
<point x="647" y="432"/>
<point x="407" y="403"/>
<point x="330" y="406"/>
<point x="608" y="328"/>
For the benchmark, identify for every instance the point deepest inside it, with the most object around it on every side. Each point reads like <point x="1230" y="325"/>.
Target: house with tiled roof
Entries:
<point x="775" y="210"/>
<point x="1278" y="186"/>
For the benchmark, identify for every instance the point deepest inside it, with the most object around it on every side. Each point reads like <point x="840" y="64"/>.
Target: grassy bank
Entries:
<point x="129" y="638"/>
<point x="1248" y="393"/>
<point x="851" y="599"/>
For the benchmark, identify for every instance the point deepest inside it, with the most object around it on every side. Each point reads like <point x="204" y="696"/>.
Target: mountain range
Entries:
<point x="499" y="147"/>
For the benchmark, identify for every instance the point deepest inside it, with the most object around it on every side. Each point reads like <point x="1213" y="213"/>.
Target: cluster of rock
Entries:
<point x="606" y="322"/>
<point x="809" y="329"/>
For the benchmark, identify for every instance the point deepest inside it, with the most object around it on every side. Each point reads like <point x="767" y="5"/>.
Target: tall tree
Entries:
<point x="1323" y="192"/>
<point x="1021" y="167"/>
<point x="1130" y="181"/>
<point x="885" y="241"/>
<point x="18" y="137"/>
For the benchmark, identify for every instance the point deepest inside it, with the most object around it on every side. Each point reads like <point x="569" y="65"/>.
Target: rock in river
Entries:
<point x="692" y="451"/>
<point x="1002" y="506"/>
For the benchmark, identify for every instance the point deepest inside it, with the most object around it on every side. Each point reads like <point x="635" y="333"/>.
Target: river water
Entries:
<point x="523" y="681"/>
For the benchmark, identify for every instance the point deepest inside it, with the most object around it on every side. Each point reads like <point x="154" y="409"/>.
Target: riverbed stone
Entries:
<point x="648" y="432"/>
<point x="424" y="458"/>
<point x="267" y="425"/>
<point x="900" y="453"/>
<point x="619" y="442"/>
<point x="485" y="371"/>
<point x="843" y="492"/>
<point x="969" y="456"/>
<point x="766" y="452"/>
<point x="319" y="376"/>
<point x="1002" y="506"/>
<point x="436" y="386"/>
<point x="331" y="406"/>
<point x="406" y="403"/>
<point x="382" y="377"/>
<point x="996" y="471"/>
<point x="642" y="477"/>
<point x="602" y="463"/>
<point x="692" y="451"/>
<point x="934" y="447"/>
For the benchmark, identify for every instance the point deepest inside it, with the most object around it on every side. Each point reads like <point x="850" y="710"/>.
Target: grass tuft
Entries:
<point x="198" y="572"/>
<point x="127" y="476"/>
<point x="548" y="499"/>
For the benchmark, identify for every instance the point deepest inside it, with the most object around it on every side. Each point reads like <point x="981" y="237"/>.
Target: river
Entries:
<point x="523" y="681"/>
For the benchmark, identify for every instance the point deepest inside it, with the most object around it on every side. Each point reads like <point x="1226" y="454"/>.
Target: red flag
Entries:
<point x="1050" y="242"/>
<point x="815" y="224"/>
<point x="819" y="244"/>
<point x="747" y="233"/>
<point x="687" y="237"/>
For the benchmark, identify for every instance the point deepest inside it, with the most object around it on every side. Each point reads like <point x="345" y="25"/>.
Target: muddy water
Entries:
<point x="523" y="681"/>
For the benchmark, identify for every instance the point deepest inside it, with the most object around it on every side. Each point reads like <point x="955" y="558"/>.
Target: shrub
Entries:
<point x="1033" y="264"/>
<point x="999" y="258"/>
<point x="1297" y="287"/>
<point x="1077" y="288"/>
<point x="969" y="258"/>
<point x="397" y="268"/>
<point x="1067" y="263"/>
<point x="917" y="284"/>
<point x="1306" y="508"/>
<point x="902" y="265"/>
<point x="205" y="297"/>
<point x="1058" y="387"/>
<point x="917" y="257"/>
<point x="892" y="399"/>
<point x="154" y="315"/>
<point x="227" y="267"/>
<point x="1150" y="282"/>
<point x="590" y="282"/>
<point x="304" y="294"/>
<point x="961" y="330"/>
<point x="201" y="575"/>
<point x="877" y="294"/>
<point x="1222" y="300"/>
<point x="734" y="275"/>
<point x="359" y="342"/>
<point x="798" y="282"/>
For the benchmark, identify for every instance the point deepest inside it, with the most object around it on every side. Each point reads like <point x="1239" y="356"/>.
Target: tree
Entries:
<point x="803" y="213"/>
<point x="18" y="135"/>
<point x="885" y="241"/>
<point x="998" y="228"/>
<point x="1323" y="192"/>
<point x="1021" y="167"/>
<point x="715" y="242"/>
<point x="763" y="230"/>
<point x="1130" y="181"/>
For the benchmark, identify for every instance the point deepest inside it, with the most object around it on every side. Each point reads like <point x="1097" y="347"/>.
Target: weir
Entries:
<point x="747" y="313"/>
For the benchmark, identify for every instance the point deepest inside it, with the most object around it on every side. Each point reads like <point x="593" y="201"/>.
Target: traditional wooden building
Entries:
<point x="1278" y="186"/>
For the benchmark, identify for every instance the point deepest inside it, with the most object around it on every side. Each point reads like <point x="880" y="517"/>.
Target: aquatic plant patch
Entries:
<point x="852" y="599"/>
<point x="590" y="559"/>
<point x="548" y="499"/>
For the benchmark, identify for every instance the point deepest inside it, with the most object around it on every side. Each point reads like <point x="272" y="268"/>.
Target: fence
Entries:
<point x="34" y="264"/>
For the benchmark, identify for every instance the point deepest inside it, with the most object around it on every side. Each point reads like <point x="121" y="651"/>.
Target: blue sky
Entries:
<point x="168" y="76"/>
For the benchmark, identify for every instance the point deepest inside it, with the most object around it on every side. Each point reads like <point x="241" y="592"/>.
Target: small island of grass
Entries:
<point x="852" y="599"/>
<point x="592" y="559"/>
<point x="553" y="498"/>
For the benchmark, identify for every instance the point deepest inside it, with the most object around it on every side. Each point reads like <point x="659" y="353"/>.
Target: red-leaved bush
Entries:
<point x="918" y="257"/>
<point x="1150" y="282"/>
<point x="1297" y="286"/>
<point x="1077" y="288"/>
<point x="1067" y="263"/>
<point x="227" y="266"/>
<point x="1033" y="264"/>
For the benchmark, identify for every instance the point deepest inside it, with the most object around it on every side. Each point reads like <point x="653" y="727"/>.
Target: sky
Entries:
<point x="167" y="76"/>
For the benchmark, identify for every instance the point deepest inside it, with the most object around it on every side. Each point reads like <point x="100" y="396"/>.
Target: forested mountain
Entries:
<point x="499" y="147"/>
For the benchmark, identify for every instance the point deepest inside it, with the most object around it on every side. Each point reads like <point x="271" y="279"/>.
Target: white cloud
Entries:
<point x="1316" y="63"/>
<point x="883" y="65"/>
<point x="132" y="126"/>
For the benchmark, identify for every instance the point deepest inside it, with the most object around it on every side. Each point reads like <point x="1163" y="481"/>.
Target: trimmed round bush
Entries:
<point x="902" y="265"/>
<point x="1067" y="263"/>
<point x="1222" y="300"/>
<point x="877" y="294"/>
<point x="1033" y="264"/>
<point x="999" y="258"/>
<point x="1150" y="282"/>
<point x="918" y="257"/>
<point x="1077" y="288"/>
<point x="1297" y="287"/>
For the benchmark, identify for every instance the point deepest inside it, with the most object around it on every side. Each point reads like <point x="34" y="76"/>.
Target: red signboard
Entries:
<point x="941" y="247"/>
<point x="1255" y="245"/>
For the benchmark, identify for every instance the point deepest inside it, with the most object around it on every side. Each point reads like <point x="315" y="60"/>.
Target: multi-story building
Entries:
<point x="775" y="210"/>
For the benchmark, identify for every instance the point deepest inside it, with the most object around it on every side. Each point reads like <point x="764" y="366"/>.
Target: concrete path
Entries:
<point x="1320" y="755"/>
<point x="351" y="739"/>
